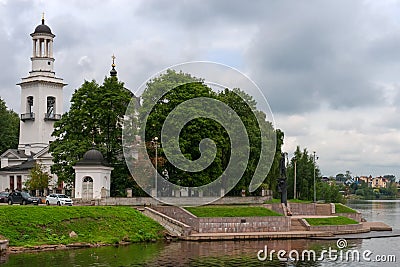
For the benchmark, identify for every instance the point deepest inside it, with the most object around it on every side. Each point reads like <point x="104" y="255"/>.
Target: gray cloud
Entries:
<point x="326" y="67"/>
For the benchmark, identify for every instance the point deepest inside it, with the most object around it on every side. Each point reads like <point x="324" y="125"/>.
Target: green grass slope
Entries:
<point x="340" y="208"/>
<point x="231" y="211"/>
<point x="36" y="225"/>
<point x="330" y="221"/>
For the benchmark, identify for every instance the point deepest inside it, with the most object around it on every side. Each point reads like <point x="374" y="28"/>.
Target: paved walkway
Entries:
<point x="372" y="234"/>
<point x="377" y="226"/>
<point x="369" y="230"/>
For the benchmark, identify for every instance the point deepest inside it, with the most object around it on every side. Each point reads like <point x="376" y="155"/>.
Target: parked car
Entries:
<point x="4" y="197"/>
<point x="58" y="199"/>
<point x="22" y="198"/>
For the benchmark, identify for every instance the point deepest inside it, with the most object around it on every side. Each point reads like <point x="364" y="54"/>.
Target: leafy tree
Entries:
<point x="329" y="192"/>
<point x="9" y="128"/>
<point x="304" y="175"/>
<point x="185" y="87"/>
<point x="193" y="132"/>
<point x="274" y="174"/>
<point x="245" y="107"/>
<point x="38" y="179"/>
<point x="95" y="118"/>
<point x="390" y="177"/>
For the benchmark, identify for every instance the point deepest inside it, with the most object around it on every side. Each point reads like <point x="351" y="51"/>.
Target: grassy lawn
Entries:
<point x="36" y="225"/>
<point x="340" y="208"/>
<point x="231" y="211"/>
<point x="330" y="221"/>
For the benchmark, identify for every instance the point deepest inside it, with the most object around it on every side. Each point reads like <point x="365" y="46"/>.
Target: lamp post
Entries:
<point x="315" y="192"/>
<point x="155" y="139"/>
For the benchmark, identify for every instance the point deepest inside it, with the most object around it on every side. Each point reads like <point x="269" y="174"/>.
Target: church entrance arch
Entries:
<point x="87" y="188"/>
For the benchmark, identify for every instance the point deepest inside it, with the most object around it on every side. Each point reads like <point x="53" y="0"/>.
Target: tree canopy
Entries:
<point x="171" y="89"/>
<point x="9" y="128"/>
<point x="305" y="166"/>
<point x="94" y="119"/>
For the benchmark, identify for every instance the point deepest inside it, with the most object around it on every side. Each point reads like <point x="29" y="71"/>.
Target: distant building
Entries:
<point x="377" y="182"/>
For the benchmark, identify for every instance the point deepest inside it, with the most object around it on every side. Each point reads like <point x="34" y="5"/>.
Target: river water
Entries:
<point x="235" y="253"/>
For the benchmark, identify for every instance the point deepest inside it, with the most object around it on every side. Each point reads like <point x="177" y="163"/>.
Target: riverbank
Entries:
<point x="53" y="227"/>
<point x="43" y="228"/>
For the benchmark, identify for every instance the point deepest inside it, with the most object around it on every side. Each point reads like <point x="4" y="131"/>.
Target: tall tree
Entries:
<point x="95" y="118"/>
<point x="254" y="120"/>
<point x="193" y="132"/>
<point x="305" y="166"/>
<point x="185" y="87"/>
<point x="9" y="128"/>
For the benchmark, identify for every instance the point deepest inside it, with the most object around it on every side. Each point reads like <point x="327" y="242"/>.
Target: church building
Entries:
<point x="41" y="106"/>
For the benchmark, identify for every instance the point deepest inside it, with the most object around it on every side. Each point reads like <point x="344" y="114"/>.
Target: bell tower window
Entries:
<point x="51" y="109"/>
<point x="29" y="115"/>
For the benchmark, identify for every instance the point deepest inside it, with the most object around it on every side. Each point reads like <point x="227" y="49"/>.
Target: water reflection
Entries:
<point x="225" y="253"/>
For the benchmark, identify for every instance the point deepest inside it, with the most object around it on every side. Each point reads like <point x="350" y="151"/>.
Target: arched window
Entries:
<point x="29" y="115"/>
<point x="51" y="106"/>
<point x="29" y="104"/>
<point x="88" y="179"/>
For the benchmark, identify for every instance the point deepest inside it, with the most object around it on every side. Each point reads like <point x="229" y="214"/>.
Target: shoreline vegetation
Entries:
<point x="79" y="226"/>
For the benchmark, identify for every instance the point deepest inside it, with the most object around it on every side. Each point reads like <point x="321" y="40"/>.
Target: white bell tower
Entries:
<point x="41" y="94"/>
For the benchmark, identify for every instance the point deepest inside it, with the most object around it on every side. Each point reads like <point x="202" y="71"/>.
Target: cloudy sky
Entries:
<point x="329" y="69"/>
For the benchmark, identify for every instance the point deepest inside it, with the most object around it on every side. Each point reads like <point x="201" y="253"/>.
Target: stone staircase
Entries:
<point x="297" y="225"/>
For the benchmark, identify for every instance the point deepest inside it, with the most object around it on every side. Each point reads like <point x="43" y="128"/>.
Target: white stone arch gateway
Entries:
<point x="92" y="176"/>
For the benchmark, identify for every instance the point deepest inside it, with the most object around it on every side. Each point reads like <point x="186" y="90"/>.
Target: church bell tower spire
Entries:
<point x="41" y="93"/>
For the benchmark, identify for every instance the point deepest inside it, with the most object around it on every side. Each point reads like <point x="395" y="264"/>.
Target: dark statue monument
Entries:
<point x="282" y="183"/>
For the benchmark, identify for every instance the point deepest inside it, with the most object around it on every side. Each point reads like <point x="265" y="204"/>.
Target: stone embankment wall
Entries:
<point x="334" y="229"/>
<point x="179" y="214"/>
<point x="248" y="224"/>
<point x="225" y="224"/>
<point x="303" y="208"/>
<point x="173" y="226"/>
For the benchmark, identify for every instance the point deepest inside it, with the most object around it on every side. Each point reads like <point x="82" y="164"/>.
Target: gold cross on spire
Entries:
<point x="113" y="59"/>
<point x="43" y="18"/>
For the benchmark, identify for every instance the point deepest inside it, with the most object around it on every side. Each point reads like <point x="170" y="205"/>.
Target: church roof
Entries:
<point x="18" y="153"/>
<point x="43" y="28"/>
<point x="92" y="157"/>
<point x="27" y="165"/>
